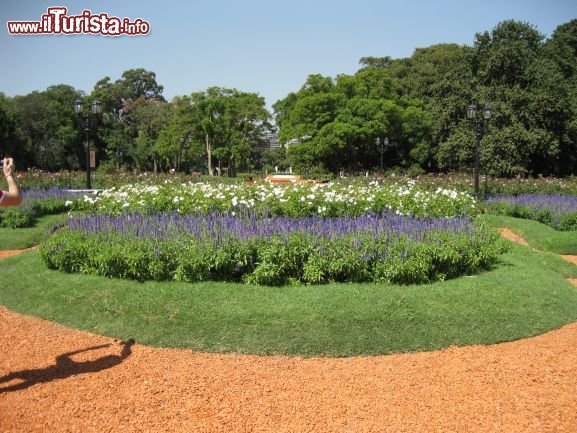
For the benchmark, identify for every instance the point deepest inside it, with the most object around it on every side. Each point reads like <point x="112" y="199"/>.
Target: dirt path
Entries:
<point x="508" y="234"/>
<point x="8" y="253"/>
<point x="111" y="386"/>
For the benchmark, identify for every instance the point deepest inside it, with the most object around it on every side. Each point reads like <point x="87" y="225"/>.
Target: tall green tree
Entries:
<point x="8" y="141"/>
<point x="176" y="147"/>
<point x="144" y="118"/>
<point x="246" y="120"/>
<point x="334" y="123"/>
<point x="529" y="82"/>
<point x="47" y="129"/>
<point x="140" y="83"/>
<point x="119" y="132"/>
<point x="440" y="77"/>
<point x="555" y="82"/>
<point x="508" y="65"/>
<point x="229" y="123"/>
<point x="504" y="55"/>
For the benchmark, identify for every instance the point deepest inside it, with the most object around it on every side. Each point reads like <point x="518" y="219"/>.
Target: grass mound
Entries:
<point x="523" y="295"/>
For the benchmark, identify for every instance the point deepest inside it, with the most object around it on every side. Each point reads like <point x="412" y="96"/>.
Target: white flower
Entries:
<point x="68" y="203"/>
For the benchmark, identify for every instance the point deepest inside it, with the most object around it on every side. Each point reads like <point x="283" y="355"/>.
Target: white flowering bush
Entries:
<point x="295" y="200"/>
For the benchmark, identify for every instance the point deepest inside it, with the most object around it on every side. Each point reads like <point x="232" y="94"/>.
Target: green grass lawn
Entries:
<point x="16" y="239"/>
<point x="524" y="295"/>
<point x="538" y="235"/>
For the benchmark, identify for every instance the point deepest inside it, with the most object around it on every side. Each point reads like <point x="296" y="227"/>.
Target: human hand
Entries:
<point x="8" y="167"/>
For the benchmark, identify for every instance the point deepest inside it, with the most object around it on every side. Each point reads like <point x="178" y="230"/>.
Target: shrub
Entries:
<point x="16" y="217"/>
<point x="567" y="222"/>
<point x="558" y="211"/>
<point x="25" y="215"/>
<point x="296" y="200"/>
<point x="273" y="251"/>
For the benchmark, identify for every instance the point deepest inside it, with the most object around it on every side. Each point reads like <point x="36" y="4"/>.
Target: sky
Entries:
<point x="261" y="46"/>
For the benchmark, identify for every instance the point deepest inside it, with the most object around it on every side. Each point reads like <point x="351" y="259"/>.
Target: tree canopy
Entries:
<point x="330" y="123"/>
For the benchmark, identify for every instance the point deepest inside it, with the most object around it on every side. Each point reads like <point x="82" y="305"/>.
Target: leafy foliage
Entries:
<point x="311" y="251"/>
<point x="32" y="209"/>
<point x="336" y="122"/>
<point x="528" y="81"/>
<point x="558" y="211"/>
<point x="331" y="123"/>
<point x="16" y="217"/>
<point x="297" y="200"/>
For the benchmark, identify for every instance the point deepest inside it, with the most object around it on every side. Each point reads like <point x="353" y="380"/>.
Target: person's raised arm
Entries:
<point x="12" y="197"/>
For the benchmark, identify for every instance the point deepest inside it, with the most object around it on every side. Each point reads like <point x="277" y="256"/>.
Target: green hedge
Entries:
<point x="26" y="214"/>
<point x="299" y="258"/>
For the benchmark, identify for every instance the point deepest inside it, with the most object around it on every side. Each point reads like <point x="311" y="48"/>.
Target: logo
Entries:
<point x="56" y="21"/>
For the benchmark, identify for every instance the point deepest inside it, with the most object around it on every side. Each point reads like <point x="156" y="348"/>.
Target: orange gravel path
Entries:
<point x="111" y="386"/>
<point x="523" y="386"/>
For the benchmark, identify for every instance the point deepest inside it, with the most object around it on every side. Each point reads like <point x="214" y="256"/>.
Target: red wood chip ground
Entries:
<point x="523" y="386"/>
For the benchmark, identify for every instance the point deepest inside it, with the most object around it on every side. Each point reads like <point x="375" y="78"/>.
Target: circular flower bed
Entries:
<point x="266" y="234"/>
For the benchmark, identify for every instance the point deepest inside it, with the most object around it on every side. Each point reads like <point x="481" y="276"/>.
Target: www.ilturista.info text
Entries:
<point x="57" y="21"/>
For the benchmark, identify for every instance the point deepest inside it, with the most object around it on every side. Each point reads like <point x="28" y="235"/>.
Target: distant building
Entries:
<point x="272" y="140"/>
<point x="298" y="140"/>
<point x="269" y="141"/>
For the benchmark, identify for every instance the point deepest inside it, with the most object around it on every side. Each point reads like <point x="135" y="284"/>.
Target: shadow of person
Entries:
<point x="65" y="367"/>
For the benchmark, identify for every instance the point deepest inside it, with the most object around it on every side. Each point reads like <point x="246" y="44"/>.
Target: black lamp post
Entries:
<point x="90" y="121"/>
<point x="480" y="122"/>
<point x="381" y="144"/>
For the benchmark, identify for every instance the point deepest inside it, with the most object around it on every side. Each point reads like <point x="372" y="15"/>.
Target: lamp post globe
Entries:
<point x="381" y="144"/>
<point x="472" y="111"/>
<point x="78" y="106"/>
<point x="96" y="107"/>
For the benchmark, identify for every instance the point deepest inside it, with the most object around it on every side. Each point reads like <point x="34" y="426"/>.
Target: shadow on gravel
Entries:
<point x="65" y="367"/>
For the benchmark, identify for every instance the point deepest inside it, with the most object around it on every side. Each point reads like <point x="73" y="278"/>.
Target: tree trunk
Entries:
<point x="231" y="166"/>
<point x="209" y="155"/>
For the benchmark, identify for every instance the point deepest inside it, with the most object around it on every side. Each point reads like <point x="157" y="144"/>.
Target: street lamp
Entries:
<point x="381" y="144"/>
<point x="90" y="120"/>
<point x="480" y="122"/>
